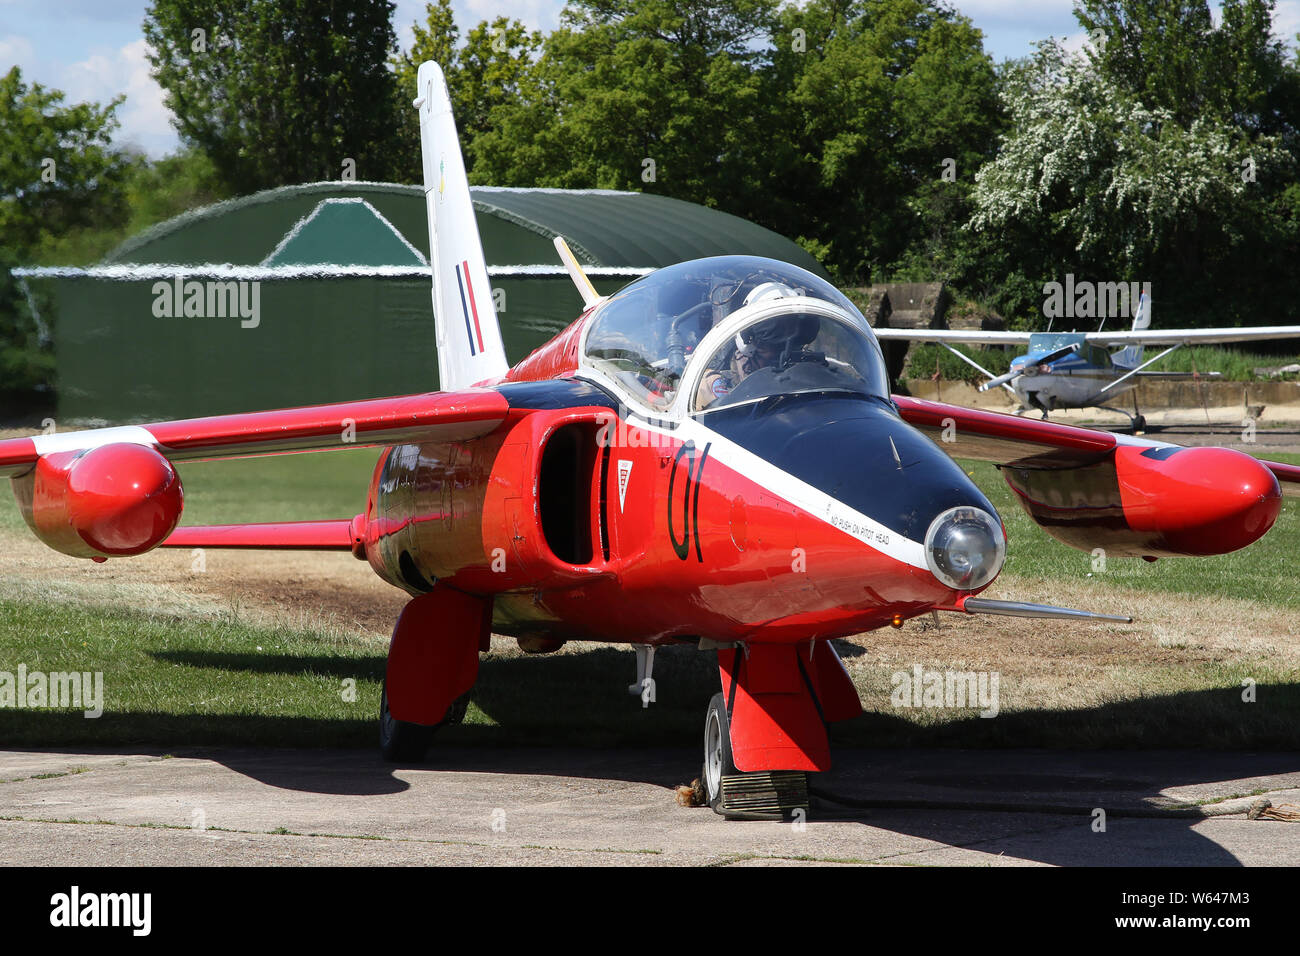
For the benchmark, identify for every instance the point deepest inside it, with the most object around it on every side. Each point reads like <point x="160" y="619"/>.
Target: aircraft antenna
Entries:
<point x="571" y="265"/>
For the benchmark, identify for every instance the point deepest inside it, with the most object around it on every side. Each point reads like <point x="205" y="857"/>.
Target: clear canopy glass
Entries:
<point x="790" y="353"/>
<point x="644" y="335"/>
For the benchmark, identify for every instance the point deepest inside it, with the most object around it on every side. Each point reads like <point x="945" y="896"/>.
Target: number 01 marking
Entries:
<point x="690" y="500"/>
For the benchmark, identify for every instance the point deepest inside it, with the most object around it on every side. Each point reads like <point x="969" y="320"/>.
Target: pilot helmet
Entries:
<point x="789" y="333"/>
<point x="769" y="290"/>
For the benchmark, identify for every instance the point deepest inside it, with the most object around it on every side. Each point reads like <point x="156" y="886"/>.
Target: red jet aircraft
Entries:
<point x="711" y="456"/>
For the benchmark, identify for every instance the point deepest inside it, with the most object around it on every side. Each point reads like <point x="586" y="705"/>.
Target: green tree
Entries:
<point x="495" y="70"/>
<point x="1171" y="55"/>
<point x="1237" y="265"/>
<point x="652" y="95"/>
<point x="279" y="91"/>
<point x="829" y="122"/>
<point x="891" y="107"/>
<point x="435" y="40"/>
<point x="1090" y="180"/>
<point x="492" y="71"/>
<point x="58" y="173"/>
<point x="154" y="190"/>
<point x="58" y="168"/>
<point x="1166" y="152"/>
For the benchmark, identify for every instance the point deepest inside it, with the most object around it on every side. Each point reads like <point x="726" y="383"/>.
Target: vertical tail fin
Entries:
<point x="1131" y="357"/>
<point x="1142" y="317"/>
<point x="468" y="337"/>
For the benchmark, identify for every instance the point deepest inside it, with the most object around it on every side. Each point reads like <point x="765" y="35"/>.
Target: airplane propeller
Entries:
<point x="1016" y="373"/>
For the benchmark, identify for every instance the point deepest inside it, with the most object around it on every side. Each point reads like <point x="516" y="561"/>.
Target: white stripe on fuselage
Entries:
<point x="794" y="491"/>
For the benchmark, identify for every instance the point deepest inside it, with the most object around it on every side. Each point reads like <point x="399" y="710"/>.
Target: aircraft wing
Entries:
<point x="1043" y="446"/>
<point x="433" y="416"/>
<point x="1116" y="338"/>
<point x="959" y="336"/>
<point x="1193" y="336"/>
<point x="114" y="492"/>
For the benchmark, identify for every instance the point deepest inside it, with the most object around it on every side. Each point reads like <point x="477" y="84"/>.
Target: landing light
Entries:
<point x="965" y="548"/>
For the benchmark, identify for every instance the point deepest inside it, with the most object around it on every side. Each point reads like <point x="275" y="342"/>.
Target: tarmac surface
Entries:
<point x="566" y="807"/>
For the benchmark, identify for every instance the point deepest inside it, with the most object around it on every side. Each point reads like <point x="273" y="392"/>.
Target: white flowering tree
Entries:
<point x="1091" y="169"/>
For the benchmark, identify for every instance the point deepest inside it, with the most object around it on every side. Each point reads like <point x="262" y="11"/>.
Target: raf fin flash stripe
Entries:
<point x="467" y="291"/>
<point x="460" y="284"/>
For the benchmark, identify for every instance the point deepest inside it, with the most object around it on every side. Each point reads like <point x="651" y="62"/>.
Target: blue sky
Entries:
<point x="94" y="49"/>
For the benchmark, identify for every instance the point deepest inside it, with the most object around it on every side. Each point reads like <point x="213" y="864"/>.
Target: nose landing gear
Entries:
<point x="771" y="718"/>
<point x="736" y="795"/>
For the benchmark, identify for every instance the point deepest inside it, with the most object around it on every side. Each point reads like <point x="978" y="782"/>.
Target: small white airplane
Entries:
<point x="1077" y="369"/>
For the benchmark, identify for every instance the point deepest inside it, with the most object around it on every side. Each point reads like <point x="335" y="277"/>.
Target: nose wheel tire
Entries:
<point x="736" y="795"/>
<point x="717" y="752"/>
<point x="403" y="742"/>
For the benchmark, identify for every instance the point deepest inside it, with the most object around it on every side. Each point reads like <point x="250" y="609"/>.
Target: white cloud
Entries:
<point x="541" y="15"/>
<point x="535" y="14"/>
<point x="1286" y="20"/>
<point x="146" y="122"/>
<point x="17" y="51"/>
<point x="1024" y="12"/>
<point x="406" y="13"/>
<point x="104" y="74"/>
<point x="145" y="115"/>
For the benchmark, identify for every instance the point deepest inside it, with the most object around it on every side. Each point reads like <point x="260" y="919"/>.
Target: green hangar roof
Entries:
<point x="635" y="229"/>
<point x="334" y="293"/>
<point x="625" y="233"/>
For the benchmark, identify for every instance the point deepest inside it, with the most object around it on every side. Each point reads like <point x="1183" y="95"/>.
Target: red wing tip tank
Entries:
<point x="113" y="500"/>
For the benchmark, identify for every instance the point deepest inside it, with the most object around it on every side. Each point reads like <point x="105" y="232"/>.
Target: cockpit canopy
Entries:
<point x="787" y="354"/>
<point x="646" y="335"/>
<point x="1045" y="343"/>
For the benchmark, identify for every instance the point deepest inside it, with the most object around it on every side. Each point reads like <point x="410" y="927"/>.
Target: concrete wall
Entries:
<point x="1152" y="396"/>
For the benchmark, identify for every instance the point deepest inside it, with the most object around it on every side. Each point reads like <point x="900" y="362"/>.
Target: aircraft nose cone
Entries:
<point x="965" y="548"/>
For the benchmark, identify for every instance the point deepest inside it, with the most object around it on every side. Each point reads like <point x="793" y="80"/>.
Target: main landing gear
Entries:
<point x="1137" y="421"/>
<point x="401" y="741"/>
<point x="432" y="666"/>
